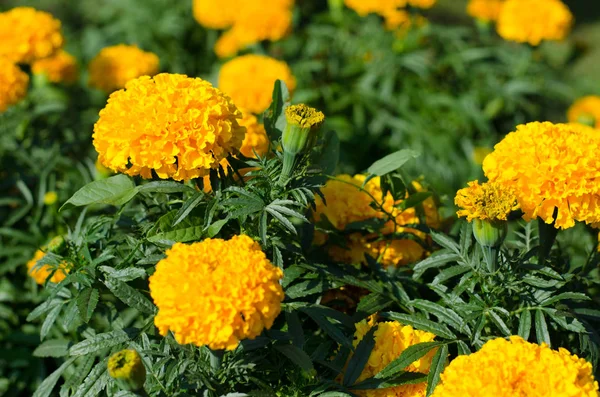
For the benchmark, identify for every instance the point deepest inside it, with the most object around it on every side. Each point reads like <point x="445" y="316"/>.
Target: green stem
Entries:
<point x="288" y="165"/>
<point x="490" y="255"/>
<point x="547" y="234"/>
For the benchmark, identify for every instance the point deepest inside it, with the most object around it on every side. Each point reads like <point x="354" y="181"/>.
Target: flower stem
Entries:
<point x="288" y="165"/>
<point x="547" y="234"/>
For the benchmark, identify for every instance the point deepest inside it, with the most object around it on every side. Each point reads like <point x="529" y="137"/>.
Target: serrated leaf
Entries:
<point x="53" y="348"/>
<point x="435" y="260"/>
<point x="525" y="324"/>
<point x="95" y="382"/>
<point x="438" y="363"/>
<point x="541" y="328"/>
<point x="116" y="190"/>
<point x="422" y="324"/>
<point x="165" y="187"/>
<point x="188" y="207"/>
<point x="130" y="296"/>
<point x="372" y="303"/>
<point x="164" y="233"/>
<point x="462" y="348"/>
<point x="407" y="357"/>
<point x="284" y="221"/>
<point x="296" y="355"/>
<point x="49" y="321"/>
<point x="99" y="342"/>
<point x="499" y="323"/>
<point x="445" y="241"/>
<point x="575" y="296"/>
<point x="274" y="118"/>
<point x="87" y="301"/>
<point x="287" y="211"/>
<point x="46" y="387"/>
<point x="405" y="378"/>
<point x="43" y="308"/>
<point x="392" y="162"/>
<point x="359" y="358"/>
<point x="127" y="274"/>
<point x="216" y="227"/>
<point x="444" y="314"/>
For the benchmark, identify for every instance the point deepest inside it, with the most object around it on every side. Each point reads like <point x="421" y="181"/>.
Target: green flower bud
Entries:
<point x="127" y="369"/>
<point x="56" y="245"/>
<point x="489" y="234"/>
<point x="300" y="133"/>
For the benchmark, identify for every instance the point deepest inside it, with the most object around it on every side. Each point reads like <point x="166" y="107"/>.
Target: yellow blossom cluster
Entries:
<point x="114" y="66"/>
<point x="176" y="126"/>
<point x="532" y="21"/>
<point x="516" y="367"/>
<point x="249" y="80"/>
<point x="550" y="167"/>
<point x="492" y="201"/>
<point x="216" y="292"/>
<point x="13" y="84"/>
<point x="586" y="111"/>
<point x="27" y="34"/>
<point x="59" y="68"/>
<point x="485" y="10"/>
<point x="391" y="339"/>
<point x="248" y="22"/>
<point x="41" y="273"/>
<point x="393" y="11"/>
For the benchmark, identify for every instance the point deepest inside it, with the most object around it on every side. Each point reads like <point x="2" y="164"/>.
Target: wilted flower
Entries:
<point x="516" y="367"/>
<point x="13" y="84"/>
<point x="216" y="292"/>
<point x="249" y="80"/>
<point x="59" y="68"/>
<point x="27" y="35"/>
<point x="586" y="111"/>
<point x="173" y="125"/>
<point x="114" y="66"/>
<point x="532" y="21"/>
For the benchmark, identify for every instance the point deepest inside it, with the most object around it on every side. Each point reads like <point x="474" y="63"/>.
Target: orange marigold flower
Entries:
<point x="216" y="14"/>
<point x="586" y="111"/>
<point x="114" y="66"/>
<point x="41" y="273"/>
<point x="59" y="68"/>
<point x="516" y="367"/>
<point x="550" y="167"/>
<point x="532" y="21"/>
<point x="177" y="126"/>
<point x="27" y="35"/>
<point x="216" y="292"/>
<point x="485" y="10"/>
<point x="488" y="201"/>
<point x="391" y="339"/>
<point x="249" y="80"/>
<point x="256" y="141"/>
<point x="13" y="84"/>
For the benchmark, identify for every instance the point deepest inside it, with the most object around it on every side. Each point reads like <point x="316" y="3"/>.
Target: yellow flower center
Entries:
<point x="304" y="116"/>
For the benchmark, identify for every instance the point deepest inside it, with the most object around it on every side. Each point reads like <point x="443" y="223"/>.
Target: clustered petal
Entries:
<point x="256" y="141"/>
<point x="492" y="201"/>
<point x="114" y="66"/>
<point x="13" y="84"/>
<point x="532" y="21"/>
<point x="485" y="10"/>
<point x="391" y="339"/>
<point x="516" y="367"/>
<point x="59" y="68"/>
<point x="249" y="80"/>
<point x="41" y="273"/>
<point x="586" y="111"/>
<point x="216" y="292"/>
<point x="177" y="126"/>
<point x="27" y="34"/>
<point x="550" y="167"/>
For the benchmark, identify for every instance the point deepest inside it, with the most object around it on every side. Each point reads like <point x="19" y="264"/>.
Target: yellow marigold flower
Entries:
<point x="492" y="201"/>
<point x="216" y="292"/>
<point x="256" y="141"/>
<point x="50" y="198"/>
<point x="127" y="369"/>
<point x="550" y="167"/>
<point x="422" y="3"/>
<point x="216" y="14"/>
<point x="59" y="68"/>
<point x="381" y="7"/>
<point x="516" y="367"/>
<point x="531" y="21"/>
<point x="13" y="84"/>
<point x="41" y="273"/>
<point x="27" y="35"/>
<point x="249" y="80"/>
<point x="485" y="10"/>
<point x="586" y="111"/>
<point x="177" y="126"/>
<point x="395" y="253"/>
<point x="391" y="339"/>
<point x="114" y="66"/>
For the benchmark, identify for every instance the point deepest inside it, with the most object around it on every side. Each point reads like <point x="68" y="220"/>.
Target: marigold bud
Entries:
<point x="56" y="244"/>
<point x="127" y="369"/>
<point x="300" y="132"/>
<point x="489" y="233"/>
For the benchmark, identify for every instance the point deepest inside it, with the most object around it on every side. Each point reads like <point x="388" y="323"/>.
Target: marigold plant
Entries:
<point x="586" y="111"/>
<point x="13" y="84"/>
<point x="249" y="80"/>
<point x="41" y="273"/>
<point x="516" y="367"/>
<point x="532" y="21"/>
<point x="27" y="34"/>
<point x="488" y="201"/>
<point x="59" y="68"/>
<point x="550" y="167"/>
<point x="391" y="339"/>
<point x="216" y="292"/>
<point x="114" y="66"/>
<point x="173" y="125"/>
<point x="485" y="10"/>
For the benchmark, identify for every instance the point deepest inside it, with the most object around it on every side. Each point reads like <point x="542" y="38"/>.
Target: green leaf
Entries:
<point x="330" y="154"/>
<point x="413" y="200"/>
<point x="525" y="324"/>
<point x="99" y="342"/>
<point x="49" y="321"/>
<point x="392" y="162"/>
<point x="435" y="260"/>
<point x="407" y="357"/>
<point x="296" y="355"/>
<point x="87" y="301"/>
<point x="444" y="314"/>
<point x="188" y="207"/>
<point x="274" y="117"/>
<point x="216" y="227"/>
<point x="574" y="296"/>
<point x="462" y="348"/>
<point x="404" y="378"/>
<point x="421" y="323"/>
<point x="164" y="233"/>
<point x="46" y="387"/>
<point x="127" y="274"/>
<point x="95" y="382"/>
<point x="116" y="190"/>
<point x="359" y="358"/>
<point x="43" y="308"/>
<point x="541" y="328"/>
<point x="130" y="296"/>
<point x="370" y="304"/>
<point x="437" y="367"/>
<point x="499" y="323"/>
<point x="445" y="241"/>
<point x="284" y="221"/>
<point x="165" y="187"/>
<point x="53" y="348"/>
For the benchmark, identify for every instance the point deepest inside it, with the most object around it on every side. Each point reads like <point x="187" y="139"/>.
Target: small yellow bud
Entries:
<point x="127" y="369"/>
<point x="50" y="198"/>
<point x="300" y="132"/>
